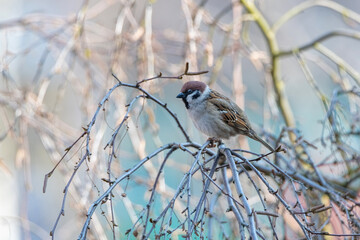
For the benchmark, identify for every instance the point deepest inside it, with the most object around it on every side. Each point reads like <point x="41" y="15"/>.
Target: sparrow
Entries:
<point x="214" y="114"/>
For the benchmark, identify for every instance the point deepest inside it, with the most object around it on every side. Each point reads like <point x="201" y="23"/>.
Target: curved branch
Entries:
<point x="343" y="33"/>
<point x="339" y="61"/>
<point x="163" y="105"/>
<point x="311" y="3"/>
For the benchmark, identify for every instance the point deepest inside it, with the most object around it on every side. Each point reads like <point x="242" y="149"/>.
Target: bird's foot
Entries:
<point x="213" y="142"/>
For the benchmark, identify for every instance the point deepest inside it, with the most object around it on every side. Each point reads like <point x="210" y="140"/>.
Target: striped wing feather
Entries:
<point x="235" y="117"/>
<point x="230" y="112"/>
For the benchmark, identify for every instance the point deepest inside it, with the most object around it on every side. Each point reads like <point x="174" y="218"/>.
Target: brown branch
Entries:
<point x="185" y="73"/>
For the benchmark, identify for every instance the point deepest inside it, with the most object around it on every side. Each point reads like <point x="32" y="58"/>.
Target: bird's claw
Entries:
<point x="213" y="141"/>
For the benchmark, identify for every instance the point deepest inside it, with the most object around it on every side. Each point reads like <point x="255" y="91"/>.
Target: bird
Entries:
<point x="214" y="114"/>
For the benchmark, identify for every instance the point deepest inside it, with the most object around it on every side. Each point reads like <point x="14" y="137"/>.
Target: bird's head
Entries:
<point x="192" y="92"/>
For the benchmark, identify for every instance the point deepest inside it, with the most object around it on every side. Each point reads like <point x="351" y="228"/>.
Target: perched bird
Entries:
<point x="214" y="114"/>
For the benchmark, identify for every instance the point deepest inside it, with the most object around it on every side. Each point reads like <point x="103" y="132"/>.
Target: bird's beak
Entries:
<point x="181" y="95"/>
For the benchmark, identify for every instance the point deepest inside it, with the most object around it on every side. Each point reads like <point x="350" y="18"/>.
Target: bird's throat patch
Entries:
<point x="186" y="103"/>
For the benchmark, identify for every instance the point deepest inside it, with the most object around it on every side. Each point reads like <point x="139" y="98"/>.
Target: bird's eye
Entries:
<point x="189" y="91"/>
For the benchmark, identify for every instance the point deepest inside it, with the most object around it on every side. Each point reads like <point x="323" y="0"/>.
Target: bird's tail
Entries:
<point x="257" y="138"/>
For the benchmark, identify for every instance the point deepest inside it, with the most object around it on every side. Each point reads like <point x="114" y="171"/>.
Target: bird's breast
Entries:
<point x="208" y="121"/>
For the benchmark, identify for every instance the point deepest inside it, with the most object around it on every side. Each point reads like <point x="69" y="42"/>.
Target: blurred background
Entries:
<point x="56" y="63"/>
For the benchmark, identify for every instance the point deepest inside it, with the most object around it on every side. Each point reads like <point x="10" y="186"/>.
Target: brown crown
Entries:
<point x="193" y="85"/>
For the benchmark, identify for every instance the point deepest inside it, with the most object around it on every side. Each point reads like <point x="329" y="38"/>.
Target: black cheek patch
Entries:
<point x="196" y="95"/>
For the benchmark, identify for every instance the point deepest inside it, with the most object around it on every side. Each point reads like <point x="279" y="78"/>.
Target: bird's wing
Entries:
<point x="230" y="112"/>
<point x="234" y="116"/>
